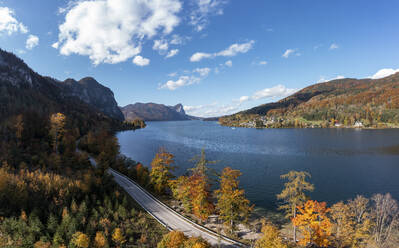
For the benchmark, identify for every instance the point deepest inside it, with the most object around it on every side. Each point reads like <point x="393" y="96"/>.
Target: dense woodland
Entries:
<point x="51" y="195"/>
<point x="373" y="103"/>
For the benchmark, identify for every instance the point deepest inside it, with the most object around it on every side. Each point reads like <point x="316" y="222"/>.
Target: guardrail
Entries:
<point x="203" y="228"/>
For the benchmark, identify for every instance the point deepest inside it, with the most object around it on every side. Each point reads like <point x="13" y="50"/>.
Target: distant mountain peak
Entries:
<point x="155" y="112"/>
<point x="179" y="108"/>
<point x="14" y="70"/>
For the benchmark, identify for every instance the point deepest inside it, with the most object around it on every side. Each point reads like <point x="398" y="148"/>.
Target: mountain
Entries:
<point x="93" y="93"/>
<point x="341" y="102"/>
<point x="22" y="89"/>
<point x="155" y="112"/>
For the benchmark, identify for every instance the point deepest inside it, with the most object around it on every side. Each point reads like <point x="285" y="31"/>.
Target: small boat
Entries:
<point x="233" y="128"/>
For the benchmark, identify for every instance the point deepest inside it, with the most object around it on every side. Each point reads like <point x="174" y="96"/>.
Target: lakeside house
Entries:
<point x="358" y="124"/>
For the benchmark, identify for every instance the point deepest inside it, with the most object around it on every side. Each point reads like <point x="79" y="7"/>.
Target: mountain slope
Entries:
<point x="93" y="93"/>
<point x="24" y="91"/>
<point x="155" y="112"/>
<point x="371" y="103"/>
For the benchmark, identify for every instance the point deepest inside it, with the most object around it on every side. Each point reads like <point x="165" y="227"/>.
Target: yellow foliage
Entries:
<point x="80" y="240"/>
<point x="117" y="236"/>
<point x="312" y="220"/>
<point x="161" y="167"/>
<point x="100" y="240"/>
<point x="42" y="244"/>
<point x="231" y="201"/>
<point x="57" y="128"/>
<point x="270" y="238"/>
<point x="177" y="239"/>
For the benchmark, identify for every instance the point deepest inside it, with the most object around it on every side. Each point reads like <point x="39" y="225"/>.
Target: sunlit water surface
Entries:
<point x="343" y="162"/>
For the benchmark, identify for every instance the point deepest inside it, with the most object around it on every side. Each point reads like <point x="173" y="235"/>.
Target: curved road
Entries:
<point x="168" y="217"/>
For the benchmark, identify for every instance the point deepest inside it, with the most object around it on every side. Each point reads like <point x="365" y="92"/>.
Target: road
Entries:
<point x="167" y="216"/>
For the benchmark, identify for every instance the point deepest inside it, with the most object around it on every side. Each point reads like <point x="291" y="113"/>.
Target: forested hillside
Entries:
<point x="50" y="193"/>
<point x="343" y="102"/>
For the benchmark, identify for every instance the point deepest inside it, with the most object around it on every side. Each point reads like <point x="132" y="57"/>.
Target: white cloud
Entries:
<point x="203" y="72"/>
<point x="215" y="109"/>
<point x="172" y="53"/>
<point x="334" y="46"/>
<point x="180" y="82"/>
<point x="273" y="92"/>
<point x="160" y="45"/>
<point x="9" y="24"/>
<point x="323" y="79"/>
<point x="179" y="40"/>
<point x="231" y="51"/>
<point x="199" y="56"/>
<point x="203" y="9"/>
<point x="235" y="49"/>
<point x="172" y="74"/>
<point x="244" y="99"/>
<point x="176" y="40"/>
<point x="229" y="63"/>
<point x="288" y="52"/>
<point x="31" y="42"/>
<point x="196" y="76"/>
<point x="112" y="31"/>
<point x="212" y="110"/>
<point x="262" y="62"/>
<point x="384" y="73"/>
<point x="277" y="91"/>
<point x="140" y="61"/>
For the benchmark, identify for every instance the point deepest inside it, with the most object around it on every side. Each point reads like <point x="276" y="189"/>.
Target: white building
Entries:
<point x="358" y="124"/>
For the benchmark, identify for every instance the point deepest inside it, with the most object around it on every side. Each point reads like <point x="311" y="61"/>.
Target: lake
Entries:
<point x="343" y="162"/>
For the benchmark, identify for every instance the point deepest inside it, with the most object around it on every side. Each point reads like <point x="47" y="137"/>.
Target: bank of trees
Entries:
<point x="359" y="222"/>
<point x="51" y="195"/>
<point x="194" y="190"/>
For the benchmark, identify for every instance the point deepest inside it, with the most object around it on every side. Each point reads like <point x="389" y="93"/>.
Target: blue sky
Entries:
<point x="214" y="56"/>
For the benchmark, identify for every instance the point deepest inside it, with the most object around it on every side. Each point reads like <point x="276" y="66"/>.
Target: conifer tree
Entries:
<point x="293" y="194"/>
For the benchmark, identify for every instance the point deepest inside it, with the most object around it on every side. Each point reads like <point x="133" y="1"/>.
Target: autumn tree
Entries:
<point x="196" y="242"/>
<point x="200" y="196"/>
<point x="351" y="223"/>
<point x="270" y="237"/>
<point x="177" y="239"/>
<point x="118" y="237"/>
<point x="314" y="223"/>
<point x="100" y="240"/>
<point x="81" y="240"/>
<point x="161" y="167"/>
<point x="195" y="190"/>
<point x="57" y="122"/>
<point x="181" y="191"/>
<point x="293" y="194"/>
<point x="173" y="239"/>
<point x="386" y="218"/>
<point x="343" y="225"/>
<point x="42" y="244"/>
<point x="201" y="165"/>
<point x="19" y="127"/>
<point x="200" y="186"/>
<point x="231" y="202"/>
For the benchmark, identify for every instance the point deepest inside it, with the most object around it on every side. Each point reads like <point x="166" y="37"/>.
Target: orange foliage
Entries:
<point x="312" y="220"/>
